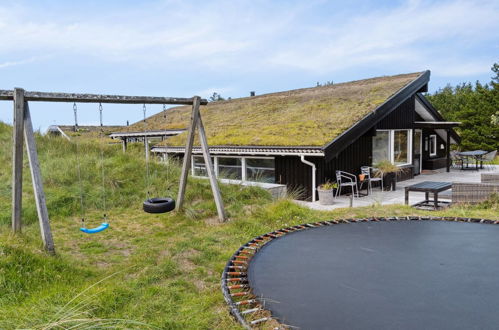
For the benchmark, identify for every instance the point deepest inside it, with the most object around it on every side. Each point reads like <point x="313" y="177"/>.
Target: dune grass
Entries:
<point x="146" y="271"/>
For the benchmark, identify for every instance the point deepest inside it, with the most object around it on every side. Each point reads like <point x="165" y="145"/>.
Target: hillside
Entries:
<point x="145" y="271"/>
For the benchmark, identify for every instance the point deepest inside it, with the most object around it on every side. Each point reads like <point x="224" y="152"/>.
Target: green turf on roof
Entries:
<point x="303" y="117"/>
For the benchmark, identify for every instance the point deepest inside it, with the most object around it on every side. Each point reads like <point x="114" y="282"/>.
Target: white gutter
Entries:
<point x="304" y="161"/>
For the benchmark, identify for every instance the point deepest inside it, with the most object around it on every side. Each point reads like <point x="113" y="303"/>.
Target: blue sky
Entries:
<point x="185" y="48"/>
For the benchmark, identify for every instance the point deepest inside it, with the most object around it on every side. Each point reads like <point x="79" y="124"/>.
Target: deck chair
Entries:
<point x="367" y="170"/>
<point x="488" y="158"/>
<point x="345" y="179"/>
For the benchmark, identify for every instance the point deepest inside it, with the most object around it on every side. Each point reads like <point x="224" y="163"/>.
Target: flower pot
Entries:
<point x="326" y="197"/>
<point x="389" y="181"/>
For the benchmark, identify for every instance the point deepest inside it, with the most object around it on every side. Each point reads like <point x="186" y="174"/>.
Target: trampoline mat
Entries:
<point x="382" y="275"/>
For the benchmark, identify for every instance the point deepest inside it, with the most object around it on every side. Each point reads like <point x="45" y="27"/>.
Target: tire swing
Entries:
<point x="104" y="225"/>
<point x="155" y="204"/>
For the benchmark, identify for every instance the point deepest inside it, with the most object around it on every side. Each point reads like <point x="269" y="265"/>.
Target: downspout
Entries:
<point x="304" y="161"/>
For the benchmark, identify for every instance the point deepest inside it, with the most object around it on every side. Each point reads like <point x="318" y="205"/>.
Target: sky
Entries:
<point x="185" y="48"/>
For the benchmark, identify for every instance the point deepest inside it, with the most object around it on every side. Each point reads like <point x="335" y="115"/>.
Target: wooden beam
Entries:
<point x="97" y="98"/>
<point x="447" y="148"/>
<point x="17" y="159"/>
<point x="186" y="164"/>
<point x="209" y="169"/>
<point x="36" y="177"/>
<point x="124" y="142"/>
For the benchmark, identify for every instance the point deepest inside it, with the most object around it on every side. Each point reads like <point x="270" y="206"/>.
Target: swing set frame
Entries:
<point x="23" y="130"/>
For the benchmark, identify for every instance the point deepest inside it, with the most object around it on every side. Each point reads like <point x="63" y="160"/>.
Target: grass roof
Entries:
<point x="303" y="117"/>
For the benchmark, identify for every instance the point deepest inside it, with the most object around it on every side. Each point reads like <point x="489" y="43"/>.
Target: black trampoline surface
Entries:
<point x="382" y="275"/>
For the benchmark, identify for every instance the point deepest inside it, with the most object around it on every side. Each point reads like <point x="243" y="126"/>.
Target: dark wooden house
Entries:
<point x="299" y="138"/>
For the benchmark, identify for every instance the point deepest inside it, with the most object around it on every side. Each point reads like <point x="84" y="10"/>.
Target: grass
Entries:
<point x="146" y="270"/>
<point x="303" y="117"/>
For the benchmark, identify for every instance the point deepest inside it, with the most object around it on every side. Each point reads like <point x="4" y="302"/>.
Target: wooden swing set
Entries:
<point x="23" y="130"/>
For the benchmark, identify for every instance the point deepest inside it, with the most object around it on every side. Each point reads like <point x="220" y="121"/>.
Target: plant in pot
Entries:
<point x="389" y="172"/>
<point x="326" y="192"/>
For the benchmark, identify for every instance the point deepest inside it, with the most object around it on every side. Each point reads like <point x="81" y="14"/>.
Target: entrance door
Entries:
<point x="417" y="159"/>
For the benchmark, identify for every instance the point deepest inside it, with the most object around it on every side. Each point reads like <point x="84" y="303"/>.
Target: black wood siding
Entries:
<point x="402" y="117"/>
<point x="298" y="176"/>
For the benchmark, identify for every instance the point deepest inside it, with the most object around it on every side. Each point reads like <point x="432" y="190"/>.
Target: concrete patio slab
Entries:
<point x="397" y="197"/>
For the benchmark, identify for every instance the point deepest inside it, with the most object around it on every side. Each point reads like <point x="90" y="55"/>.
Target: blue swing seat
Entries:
<point x="102" y="227"/>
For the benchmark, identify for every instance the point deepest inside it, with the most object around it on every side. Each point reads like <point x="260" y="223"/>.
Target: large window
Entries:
<point x="198" y="166"/>
<point x="230" y="168"/>
<point x="401" y="147"/>
<point x="252" y="169"/>
<point x="260" y="170"/>
<point x="392" y="145"/>
<point x="381" y="146"/>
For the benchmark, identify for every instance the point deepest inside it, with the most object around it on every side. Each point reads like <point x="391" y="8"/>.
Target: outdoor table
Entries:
<point x="476" y="154"/>
<point x="428" y="187"/>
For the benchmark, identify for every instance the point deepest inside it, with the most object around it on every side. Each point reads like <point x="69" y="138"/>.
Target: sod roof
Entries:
<point x="302" y="117"/>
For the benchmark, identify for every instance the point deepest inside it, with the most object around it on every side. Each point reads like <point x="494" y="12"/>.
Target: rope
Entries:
<point x="102" y="163"/>
<point x="78" y="169"/>
<point x="147" y="181"/>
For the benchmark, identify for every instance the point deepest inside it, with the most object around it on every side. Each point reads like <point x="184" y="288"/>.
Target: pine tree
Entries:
<point x="475" y="107"/>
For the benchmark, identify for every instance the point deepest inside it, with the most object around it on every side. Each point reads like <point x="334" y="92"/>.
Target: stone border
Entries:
<point x="248" y="310"/>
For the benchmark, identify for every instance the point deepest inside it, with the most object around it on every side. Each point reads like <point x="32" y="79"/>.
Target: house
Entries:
<point x="299" y="138"/>
<point x="88" y="131"/>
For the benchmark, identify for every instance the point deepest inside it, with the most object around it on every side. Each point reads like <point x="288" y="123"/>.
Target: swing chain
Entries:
<point x="78" y="169"/>
<point x="147" y="179"/>
<point x="102" y="161"/>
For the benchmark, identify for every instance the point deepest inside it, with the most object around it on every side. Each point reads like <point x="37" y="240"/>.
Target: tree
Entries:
<point x="216" y="97"/>
<point x="475" y="106"/>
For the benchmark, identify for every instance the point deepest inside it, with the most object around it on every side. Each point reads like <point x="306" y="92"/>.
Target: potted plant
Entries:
<point x="326" y="193"/>
<point x="389" y="172"/>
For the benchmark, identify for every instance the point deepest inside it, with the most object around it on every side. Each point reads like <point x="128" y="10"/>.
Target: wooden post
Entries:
<point x="209" y="169"/>
<point x="17" y="159"/>
<point x="124" y="142"/>
<point x="447" y="149"/>
<point x="36" y="178"/>
<point x="186" y="164"/>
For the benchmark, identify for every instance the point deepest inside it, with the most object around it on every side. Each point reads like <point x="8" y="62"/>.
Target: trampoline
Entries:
<point x="376" y="273"/>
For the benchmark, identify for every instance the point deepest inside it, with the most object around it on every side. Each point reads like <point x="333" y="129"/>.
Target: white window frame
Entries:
<point x="391" y="144"/>
<point x="433" y="140"/>
<point x="243" y="166"/>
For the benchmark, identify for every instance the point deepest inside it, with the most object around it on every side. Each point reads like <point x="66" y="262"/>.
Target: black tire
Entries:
<point x="159" y="205"/>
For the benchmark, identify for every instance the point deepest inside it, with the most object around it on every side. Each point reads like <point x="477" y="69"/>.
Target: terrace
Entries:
<point x="397" y="197"/>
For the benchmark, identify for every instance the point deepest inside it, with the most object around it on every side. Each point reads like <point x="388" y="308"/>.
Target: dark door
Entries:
<point x="417" y="153"/>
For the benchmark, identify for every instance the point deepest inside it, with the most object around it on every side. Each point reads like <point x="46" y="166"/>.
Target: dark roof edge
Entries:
<point x="333" y="148"/>
<point x="437" y="115"/>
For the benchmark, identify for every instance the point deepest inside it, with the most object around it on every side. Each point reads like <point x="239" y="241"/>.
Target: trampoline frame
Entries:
<point x="249" y="310"/>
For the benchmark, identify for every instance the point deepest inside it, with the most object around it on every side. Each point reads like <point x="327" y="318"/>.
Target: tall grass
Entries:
<point x="125" y="182"/>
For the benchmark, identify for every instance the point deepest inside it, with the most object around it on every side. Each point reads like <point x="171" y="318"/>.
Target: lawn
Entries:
<point x="145" y="271"/>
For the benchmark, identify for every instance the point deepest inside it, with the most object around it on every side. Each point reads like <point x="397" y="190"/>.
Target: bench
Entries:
<point x="473" y="192"/>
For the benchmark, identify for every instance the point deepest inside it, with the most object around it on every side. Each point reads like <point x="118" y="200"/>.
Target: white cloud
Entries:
<point x="259" y="36"/>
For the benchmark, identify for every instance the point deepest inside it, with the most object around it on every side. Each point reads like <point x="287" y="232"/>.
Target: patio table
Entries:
<point x="476" y="154"/>
<point x="428" y="187"/>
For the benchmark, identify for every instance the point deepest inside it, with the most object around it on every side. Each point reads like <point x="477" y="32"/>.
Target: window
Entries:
<point x="198" y="166"/>
<point x="230" y="168"/>
<point x="393" y="145"/>
<point x="252" y="169"/>
<point x="381" y="146"/>
<point x="400" y="147"/>
<point x="433" y="145"/>
<point x="260" y="170"/>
